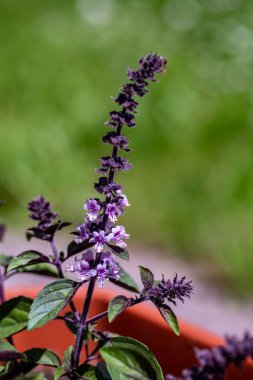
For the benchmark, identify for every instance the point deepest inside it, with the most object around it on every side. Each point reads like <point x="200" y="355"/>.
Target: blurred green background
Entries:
<point x="191" y="187"/>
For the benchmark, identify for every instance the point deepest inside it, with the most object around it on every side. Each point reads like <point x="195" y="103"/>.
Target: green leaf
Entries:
<point x="14" y="315"/>
<point x="58" y="373"/>
<point x="128" y="361"/>
<point x="44" y="269"/>
<point x="26" y="258"/>
<point x="131" y="343"/>
<point x="4" y="259"/>
<point x="169" y="316"/>
<point x="89" y="372"/>
<point x="125" y="281"/>
<point x="67" y="358"/>
<point x="9" y="352"/>
<point x="49" y="302"/>
<point x="42" y="356"/>
<point x="147" y="277"/>
<point x="116" y="306"/>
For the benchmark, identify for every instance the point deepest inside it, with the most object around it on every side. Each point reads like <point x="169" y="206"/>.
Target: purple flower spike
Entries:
<point x="99" y="227"/>
<point x="212" y="363"/>
<point x="171" y="290"/>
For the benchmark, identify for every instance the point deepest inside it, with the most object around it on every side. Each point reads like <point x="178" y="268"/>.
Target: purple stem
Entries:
<point x="86" y="307"/>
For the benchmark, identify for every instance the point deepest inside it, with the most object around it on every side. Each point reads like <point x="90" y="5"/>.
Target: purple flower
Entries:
<point x="92" y="206"/>
<point x="122" y="201"/>
<point x="41" y="211"/>
<point x="171" y="291"/>
<point x="117" y="163"/>
<point x="117" y="234"/>
<point x="100" y="239"/>
<point x="119" y="141"/>
<point x="103" y="187"/>
<point x="121" y="118"/>
<point x="84" y="270"/>
<point x="84" y="233"/>
<point x="112" y="210"/>
<point x="125" y="100"/>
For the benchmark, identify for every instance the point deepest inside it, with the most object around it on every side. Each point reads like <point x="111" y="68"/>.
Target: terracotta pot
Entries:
<point x="141" y="322"/>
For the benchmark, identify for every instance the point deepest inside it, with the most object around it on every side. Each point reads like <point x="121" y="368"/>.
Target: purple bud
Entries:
<point x="41" y="211"/>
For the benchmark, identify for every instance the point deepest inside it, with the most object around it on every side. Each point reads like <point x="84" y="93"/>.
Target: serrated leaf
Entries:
<point x="66" y="361"/>
<point x="5" y="259"/>
<point x="44" y="269"/>
<point x="49" y="302"/>
<point x="14" y="315"/>
<point x="147" y="277"/>
<point x="116" y="306"/>
<point x="125" y="342"/>
<point x="89" y="372"/>
<point x="26" y="258"/>
<point x="42" y="356"/>
<point x="9" y="352"/>
<point x="169" y="316"/>
<point x="125" y="281"/>
<point x="120" y="252"/>
<point x="58" y="373"/>
<point x="128" y="361"/>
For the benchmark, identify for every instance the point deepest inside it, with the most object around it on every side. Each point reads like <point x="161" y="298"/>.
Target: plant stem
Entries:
<point x="57" y="263"/>
<point x="86" y="307"/>
<point x="105" y="313"/>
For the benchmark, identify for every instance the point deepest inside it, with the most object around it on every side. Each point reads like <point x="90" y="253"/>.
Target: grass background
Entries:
<point x="191" y="186"/>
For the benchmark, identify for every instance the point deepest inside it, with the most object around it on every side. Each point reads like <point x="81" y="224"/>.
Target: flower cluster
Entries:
<point x="84" y="270"/>
<point x="99" y="226"/>
<point x="170" y="290"/>
<point x="41" y="211"/>
<point x="213" y="362"/>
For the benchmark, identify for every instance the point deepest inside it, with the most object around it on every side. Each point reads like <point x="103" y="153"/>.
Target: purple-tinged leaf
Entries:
<point x="27" y="258"/>
<point x="116" y="306"/>
<point x="169" y="317"/>
<point x="147" y="277"/>
<point x="74" y="247"/>
<point x="120" y="252"/>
